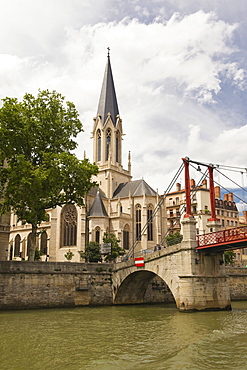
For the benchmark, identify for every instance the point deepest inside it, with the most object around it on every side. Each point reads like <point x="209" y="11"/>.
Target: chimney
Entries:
<point x="204" y="184"/>
<point x="225" y="196"/>
<point x="178" y="186"/>
<point x="230" y="197"/>
<point x="192" y="183"/>
<point x="217" y="192"/>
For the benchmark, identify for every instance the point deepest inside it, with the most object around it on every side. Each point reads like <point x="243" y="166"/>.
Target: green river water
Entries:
<point x="151" y="337"/>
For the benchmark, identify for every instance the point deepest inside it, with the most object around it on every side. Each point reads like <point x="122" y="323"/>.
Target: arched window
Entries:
<point x="150" y="221"/>
<point x="108" y="143"/>
<point x="98" y="145"/>
<point x="17" y="246"/>
<point x="126" y="234"/>
<point x="69" y="226"/>
<point x="97" y="234"/>
<point x="43" y="243"/>
<point x="117" y="146"/>
<point x="138" y="222"/>
<point x="29" y="240"/>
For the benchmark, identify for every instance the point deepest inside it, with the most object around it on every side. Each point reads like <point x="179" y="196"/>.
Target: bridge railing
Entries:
<point x="222" y="236"/>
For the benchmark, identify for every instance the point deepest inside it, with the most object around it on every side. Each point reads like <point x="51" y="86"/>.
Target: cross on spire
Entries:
<point x="108" y="52"/>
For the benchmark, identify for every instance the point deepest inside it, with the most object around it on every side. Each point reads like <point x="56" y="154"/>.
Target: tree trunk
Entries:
<point x="33" y="243"/>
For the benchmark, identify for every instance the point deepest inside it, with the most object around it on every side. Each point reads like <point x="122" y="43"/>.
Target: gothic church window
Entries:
<point x="108" y="143"/>
<point x="43" y="243"/>
<point x="117" y="146"/>
<point x="138" y="222"/>
<point x="150" y="221"/>
<point x="98" y="145"/>
<point x="17" y="245"/>
<point x="97" y="234"/>
<point x="126" y="237"/>
<point x="69" y="226"/>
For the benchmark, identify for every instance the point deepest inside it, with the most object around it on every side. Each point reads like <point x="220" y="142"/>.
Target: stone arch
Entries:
<point x="133" y="289"/>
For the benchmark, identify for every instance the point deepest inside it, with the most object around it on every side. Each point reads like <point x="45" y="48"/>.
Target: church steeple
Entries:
<point x="107" y="137"/>
<point x="108" y="100"/>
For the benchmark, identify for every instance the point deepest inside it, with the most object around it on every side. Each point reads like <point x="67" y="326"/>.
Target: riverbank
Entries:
<point x="67" y="284"/>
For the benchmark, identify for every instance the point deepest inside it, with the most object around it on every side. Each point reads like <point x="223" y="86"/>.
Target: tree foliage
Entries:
<point x="175" y="238"/>
<point x="116" y="250"/>
<point x="92" y="252"/>
<point x="37" y="140"/>
<point x="229" y="257"/>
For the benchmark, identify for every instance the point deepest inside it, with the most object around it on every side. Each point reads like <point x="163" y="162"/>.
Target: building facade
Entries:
<point x="118" y="205"/>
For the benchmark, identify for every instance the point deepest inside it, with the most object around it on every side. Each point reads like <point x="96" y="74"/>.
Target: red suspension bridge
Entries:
<point x="220" y="240"/>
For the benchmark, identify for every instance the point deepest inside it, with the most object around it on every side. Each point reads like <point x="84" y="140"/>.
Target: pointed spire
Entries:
<point x="108" y="99"/>
<point x="98" y="208"/>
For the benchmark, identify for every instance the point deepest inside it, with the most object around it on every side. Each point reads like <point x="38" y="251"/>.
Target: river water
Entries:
<point x="151" y="337"/>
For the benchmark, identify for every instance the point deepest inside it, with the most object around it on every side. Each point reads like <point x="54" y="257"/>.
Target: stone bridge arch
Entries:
<point x="197" y="281"/>
<point x="133" y="289"/>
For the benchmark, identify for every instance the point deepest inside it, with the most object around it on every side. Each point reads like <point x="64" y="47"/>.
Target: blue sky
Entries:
<point x="179" y="69"/>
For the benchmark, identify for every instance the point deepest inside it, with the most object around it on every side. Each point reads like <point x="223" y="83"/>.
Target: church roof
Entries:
<point x="108" y="99"/>
<point x="98" y="208"/>
<point x="134" y="188"/>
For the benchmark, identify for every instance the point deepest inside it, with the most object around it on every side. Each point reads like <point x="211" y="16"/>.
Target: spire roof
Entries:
<point x="98" y="208"/>
<point x="108" y="99"/>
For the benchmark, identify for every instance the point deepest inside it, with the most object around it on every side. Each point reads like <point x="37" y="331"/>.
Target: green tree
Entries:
<point x="116" y="250"/>
<point x="229" y="257"/>
<point x="37" y="140"/>
<point x="175" y="238"/>
<point x="92" y="252"/>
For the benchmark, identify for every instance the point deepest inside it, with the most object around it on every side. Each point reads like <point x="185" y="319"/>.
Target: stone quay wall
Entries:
<point x="49" y="284"/>
<point x="237" y="282"/>
<point x="26" y="285"/>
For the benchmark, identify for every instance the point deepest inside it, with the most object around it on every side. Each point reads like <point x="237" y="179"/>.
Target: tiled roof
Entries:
<point x="134" y="188"/>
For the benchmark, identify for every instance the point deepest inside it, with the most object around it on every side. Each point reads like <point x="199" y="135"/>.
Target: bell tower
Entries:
<point x="107" y="137"/>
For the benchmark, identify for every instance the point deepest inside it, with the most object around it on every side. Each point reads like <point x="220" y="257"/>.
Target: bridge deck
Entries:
<point x="224" y="239"/>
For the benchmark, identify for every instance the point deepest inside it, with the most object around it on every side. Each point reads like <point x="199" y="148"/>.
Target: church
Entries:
<point x="118" y="205"/>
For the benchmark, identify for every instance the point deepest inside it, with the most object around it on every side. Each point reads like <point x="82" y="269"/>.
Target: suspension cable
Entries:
<point x="131" y="250"/>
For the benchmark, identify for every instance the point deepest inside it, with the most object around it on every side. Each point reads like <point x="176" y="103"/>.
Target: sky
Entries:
<point x="179" y="69"/>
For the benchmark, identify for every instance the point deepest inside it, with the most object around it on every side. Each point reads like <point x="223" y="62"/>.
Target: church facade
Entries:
<point x="118" y="205"/>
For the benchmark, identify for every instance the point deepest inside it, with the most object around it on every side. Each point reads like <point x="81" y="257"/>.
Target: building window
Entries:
<point x="43" y="243"/>
<point x="98" y="145"/>
<point x="138" y="222"/>
<point x="177" y="201"/>
<point x="108" y="143"/>
<point x="170" y="202"/>
<point x="69" y="226"/>
<point x="97" y="235"/>
<point x="29" y="238"/>
<point x="150" y="222"/>
<point x="126" y="237"/>
<point x="223" y="222"/>
<point x="17" y="246"/>
<point x="117" y="146"/>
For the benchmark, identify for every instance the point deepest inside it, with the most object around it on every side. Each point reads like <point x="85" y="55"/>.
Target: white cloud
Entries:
<point x="169" y="74"/>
